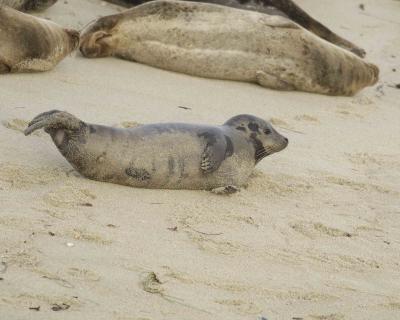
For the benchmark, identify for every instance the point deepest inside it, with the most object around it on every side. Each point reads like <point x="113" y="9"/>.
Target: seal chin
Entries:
<point x="276" y="147"/>
<point x="281" y="145"/>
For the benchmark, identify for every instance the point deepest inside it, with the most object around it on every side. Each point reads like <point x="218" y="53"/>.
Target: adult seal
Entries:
<point x="220" y="42"/>
<point x="31" y="44"/>
<point x="28" y="5"/>
<point x="286" y="8"/>
<point x="166" y="155"/>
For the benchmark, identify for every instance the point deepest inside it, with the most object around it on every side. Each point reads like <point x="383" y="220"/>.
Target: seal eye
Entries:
<point x="267" y="131"/>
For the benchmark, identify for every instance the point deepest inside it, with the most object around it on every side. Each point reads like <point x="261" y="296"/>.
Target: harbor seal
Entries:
<point x="31" y="44"/>
<point x="165" y="155"/>
<point x="214" y="41"/>
<point x="28" y="5"/>
<point x="286" y="8"/>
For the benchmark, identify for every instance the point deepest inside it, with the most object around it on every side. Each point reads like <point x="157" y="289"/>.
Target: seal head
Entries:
<point x="96" y="39"/>
<point x="265" y="139"/>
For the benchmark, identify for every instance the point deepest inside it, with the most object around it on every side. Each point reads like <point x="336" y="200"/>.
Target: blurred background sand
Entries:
<point x="315" y="235"/>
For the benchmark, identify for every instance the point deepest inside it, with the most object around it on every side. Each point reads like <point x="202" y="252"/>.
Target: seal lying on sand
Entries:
<point x="165" y="155"/>
<point x="276" y="7"/>
<point x="28" y="5"/>
<point x="219" y="42"/>
<point x="32" y="44"/>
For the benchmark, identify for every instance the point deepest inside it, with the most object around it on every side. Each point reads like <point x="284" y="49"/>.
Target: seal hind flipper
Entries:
<point x="298" y="15"/>
<point x="273" y="82"/>
<point x="54" y="119"/>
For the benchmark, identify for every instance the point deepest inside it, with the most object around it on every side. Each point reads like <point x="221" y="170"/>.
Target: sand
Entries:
<point x="315" y="235"/>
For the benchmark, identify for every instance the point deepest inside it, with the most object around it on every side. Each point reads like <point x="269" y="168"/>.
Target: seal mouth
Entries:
<point x="264" y="151"/>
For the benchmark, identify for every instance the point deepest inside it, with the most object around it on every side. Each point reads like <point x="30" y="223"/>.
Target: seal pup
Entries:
<point x="214" y="41"/>
<point x="286" y="8"/>
<point x="31" y="44"/>
<point x="165" y="155"/>
<point x="28" y="5"/>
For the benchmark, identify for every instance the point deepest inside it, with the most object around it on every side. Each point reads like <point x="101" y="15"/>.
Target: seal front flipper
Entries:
<point x="227" y="190"/>
<point x="218" y="147"/>
<point x="54" y="119"/>
<point x="273" y="82"/>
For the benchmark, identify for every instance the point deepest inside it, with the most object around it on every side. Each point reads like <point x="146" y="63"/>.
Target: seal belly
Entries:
<point x="197" y="43"/>
<point x="191" y="38"/>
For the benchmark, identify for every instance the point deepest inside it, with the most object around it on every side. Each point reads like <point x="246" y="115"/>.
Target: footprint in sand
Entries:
<point x="279" y="122"/>
<point x="23" y="176"/>
<point x="88" y="236"/>
<point x="83" y="274"/>
<point x="359" y="186"/>
<point x="356" y="109"/>
<point x="18" y="125"/>
<point x="306" y="118"/>
<point x="69" y="197"/>
<point x="283" y="125"/>
<point x="353" y="263"/>
<point x="314" y="230"/>
<point x="241" y="307"/>
<point x="278" y="185"/>
<point x="46" y="302"/>
<point x="364" y="159"/>
<point x="334" y="316"/>
<point x="391" y="306"/>
<point x="216" y="246"/>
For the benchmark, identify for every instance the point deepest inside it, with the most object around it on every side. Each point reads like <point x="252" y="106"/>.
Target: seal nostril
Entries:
<point x="286" y="139"/>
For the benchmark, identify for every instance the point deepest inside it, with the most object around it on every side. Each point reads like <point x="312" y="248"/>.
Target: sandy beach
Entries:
<point x="314" y="235"/>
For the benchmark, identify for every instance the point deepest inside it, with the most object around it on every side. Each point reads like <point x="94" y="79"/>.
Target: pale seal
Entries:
<point x="220" y="42"/>
<point x="28" y="5"/>
<point x="286" y="8"/>
<point x="165" y="155"/>
<point x="31" y="44"/>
